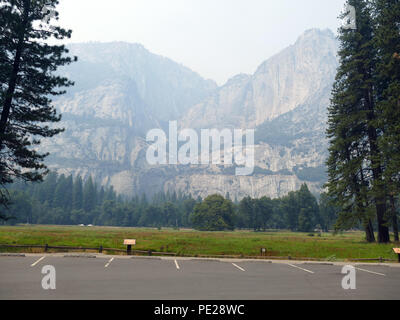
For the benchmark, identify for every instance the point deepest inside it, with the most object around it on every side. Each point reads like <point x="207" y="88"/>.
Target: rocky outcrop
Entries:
<point x="122" y="91"/>
<point x="280" y="85"/>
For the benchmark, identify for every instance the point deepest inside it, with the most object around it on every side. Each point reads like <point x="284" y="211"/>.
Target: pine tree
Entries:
<point x="387" y="41"/>
<point x="68" y="195"/>
<point x="27" y="83"/>
<point x="59" y="199"/>
<point x="101" y="196"/>
<point x="290" y="209"/>
<point x="77" y="197"/>
<point x="89" y="195"/>
<point x="45" y="190"/>
<point x="355" y="159"/>
<point x="308" y="209"/>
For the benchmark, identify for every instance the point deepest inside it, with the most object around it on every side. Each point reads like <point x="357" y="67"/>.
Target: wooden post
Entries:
<point x="46" y="247"/>
<point x="129" y="249"/>
<point x="101" y="249"/>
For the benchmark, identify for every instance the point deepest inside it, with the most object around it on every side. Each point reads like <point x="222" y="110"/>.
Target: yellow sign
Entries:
<point x="129" y="242"/>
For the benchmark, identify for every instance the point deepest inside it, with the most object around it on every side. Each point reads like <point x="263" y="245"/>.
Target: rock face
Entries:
<point x="280" y="84"/>
<point x="122" y="91"/>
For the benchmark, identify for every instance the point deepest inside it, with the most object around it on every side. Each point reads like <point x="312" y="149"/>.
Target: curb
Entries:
<point x="80" y="256"/>
<point x="12" y="254"/>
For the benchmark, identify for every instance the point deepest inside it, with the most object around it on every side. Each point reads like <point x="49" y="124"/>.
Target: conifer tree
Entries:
<point x="387" y="41"/>
<point x="89" y="195"/>
<point x="59" y="200"/>
<point x="77" y="197"/>
<point x="27" y="83"/>
<point x="355" y="164"/>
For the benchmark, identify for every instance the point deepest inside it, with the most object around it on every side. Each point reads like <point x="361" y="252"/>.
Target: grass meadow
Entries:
<point x="347" y="245"/>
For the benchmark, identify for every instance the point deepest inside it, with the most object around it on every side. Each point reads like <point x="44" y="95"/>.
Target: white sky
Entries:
<point x="216" y="38"/>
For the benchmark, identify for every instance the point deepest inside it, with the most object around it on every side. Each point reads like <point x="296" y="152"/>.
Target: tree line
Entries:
<point x="298" y="211"/>
<point x="364" y="121"/>
<point x="68" y="200"/>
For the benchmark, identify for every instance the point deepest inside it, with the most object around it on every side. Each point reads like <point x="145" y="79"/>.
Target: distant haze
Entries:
<point x="216" y="38"/>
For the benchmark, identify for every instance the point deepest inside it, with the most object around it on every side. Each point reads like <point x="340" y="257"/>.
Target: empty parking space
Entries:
<point x="259" y="280"/>
<point x="16" y="274"/>
<point x="209" y="267"/>
<point x="80" y="277"/>
<point x="372" y="282"/>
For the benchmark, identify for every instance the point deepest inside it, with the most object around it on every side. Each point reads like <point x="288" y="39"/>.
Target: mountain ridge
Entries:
<point x="119" y="97"/>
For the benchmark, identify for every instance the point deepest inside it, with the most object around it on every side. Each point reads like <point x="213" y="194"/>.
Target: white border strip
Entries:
<point x="379" y="274"/>
<point x="108" y="263"/>
<point x="35" y="263"/>
<point x="294" y="266"/>
<point x="240" y="268"/>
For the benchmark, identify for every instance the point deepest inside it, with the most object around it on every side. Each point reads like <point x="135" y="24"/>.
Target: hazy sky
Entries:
<point x="216" y="38"/>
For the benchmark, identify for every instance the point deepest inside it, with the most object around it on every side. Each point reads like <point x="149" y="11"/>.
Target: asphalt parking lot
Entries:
<point x="99" y="277"/>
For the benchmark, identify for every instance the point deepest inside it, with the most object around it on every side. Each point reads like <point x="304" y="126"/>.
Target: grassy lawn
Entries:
<point x="349" y="245"/>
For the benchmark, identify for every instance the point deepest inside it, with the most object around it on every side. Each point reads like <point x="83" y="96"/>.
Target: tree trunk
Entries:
<point x="369" y="231"/>
<point x="395" y="229"/>
<point x="376" y="165"/>
<point x="383" y="229"/>
<point x="380" y="201"/>
<point x="394" y="219"/>
<point x="5" y="114"/>
<point x="363" y="205"/>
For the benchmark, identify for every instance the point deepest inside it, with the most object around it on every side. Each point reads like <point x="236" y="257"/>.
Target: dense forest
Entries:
<point x="66" y="200"/>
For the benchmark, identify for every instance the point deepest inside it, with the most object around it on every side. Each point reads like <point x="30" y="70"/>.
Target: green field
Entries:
<point x="349" y="245"/>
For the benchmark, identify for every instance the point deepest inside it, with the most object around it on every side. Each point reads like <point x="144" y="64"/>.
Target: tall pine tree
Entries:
<point x="27" y="83"/>
<point x="89" y="195"/>
<point x="77" y="194"/>
<point x="355" y="165"/>
<point x="387" y="41"/>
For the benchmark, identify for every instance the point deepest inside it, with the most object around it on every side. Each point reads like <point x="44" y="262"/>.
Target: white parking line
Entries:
<point x="177" y="265"/>
<point x="240" y="268"/>
<point x="294" y="266"/>
<point x="108" y="263"/>
<point x="377" y="273"/>
<point x="35" y="263"/>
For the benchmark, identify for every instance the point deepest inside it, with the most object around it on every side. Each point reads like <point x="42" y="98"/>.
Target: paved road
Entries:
<point x="133" y="278"/>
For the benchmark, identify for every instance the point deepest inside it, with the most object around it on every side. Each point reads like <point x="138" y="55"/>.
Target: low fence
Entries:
<point x="101" y="249"/>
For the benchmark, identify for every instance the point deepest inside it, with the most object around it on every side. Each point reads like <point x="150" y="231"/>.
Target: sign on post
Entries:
<point x="129" y="243"/>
